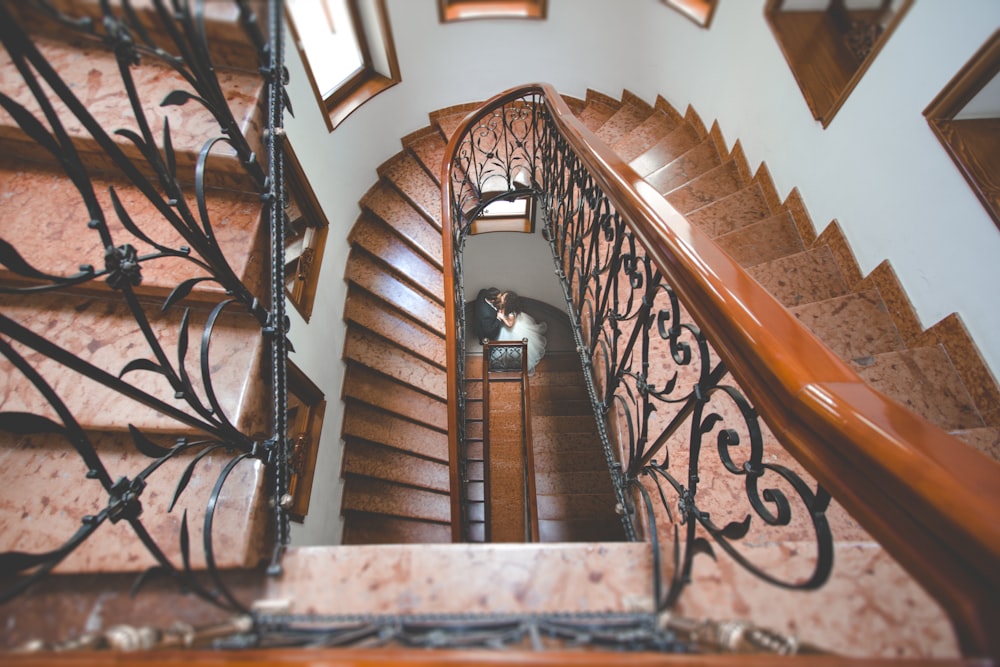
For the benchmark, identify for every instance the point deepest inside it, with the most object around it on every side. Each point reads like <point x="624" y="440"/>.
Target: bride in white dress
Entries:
<point x="518" y="325"/>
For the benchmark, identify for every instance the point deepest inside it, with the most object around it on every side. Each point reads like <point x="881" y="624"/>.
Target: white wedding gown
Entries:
<point x="525" y="327"/>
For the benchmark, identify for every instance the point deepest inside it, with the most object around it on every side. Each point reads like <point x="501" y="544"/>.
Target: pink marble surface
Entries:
<point x="465" y="578"/>
<point x="102" y="333"/>
<point x="46" y="495"/>
<point x="732" y="212"/>
<point x="643" y="135"/>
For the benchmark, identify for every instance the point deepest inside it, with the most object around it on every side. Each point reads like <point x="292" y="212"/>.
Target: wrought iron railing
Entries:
<point x="154" y="221"/>
<point x="686" y="354"/>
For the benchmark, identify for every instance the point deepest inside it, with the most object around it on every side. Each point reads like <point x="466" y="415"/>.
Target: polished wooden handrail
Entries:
<point x="932" y="501"/>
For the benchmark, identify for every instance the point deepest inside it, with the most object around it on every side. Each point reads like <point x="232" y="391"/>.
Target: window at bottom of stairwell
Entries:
<point x="346" y="49"/>
<point x="305" y="236"/>
<point x="304" y="419"/>
<point x="463" y="10"/>
<point x="965" y="116"/>
<point x="517" y="215"/>
<point x="699" y="11"/>
<point x="829" y="44"/>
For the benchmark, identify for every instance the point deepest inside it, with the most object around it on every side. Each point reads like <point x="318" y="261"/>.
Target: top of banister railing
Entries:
<point x="894" y="471"/>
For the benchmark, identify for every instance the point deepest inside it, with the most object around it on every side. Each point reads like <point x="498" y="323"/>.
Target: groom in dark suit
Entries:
<point x="484" y="314"/>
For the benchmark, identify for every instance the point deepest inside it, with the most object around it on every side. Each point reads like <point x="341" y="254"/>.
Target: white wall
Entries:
<point x="877" y="168"/>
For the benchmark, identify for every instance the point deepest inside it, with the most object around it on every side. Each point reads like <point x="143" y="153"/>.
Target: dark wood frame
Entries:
<point x="306" y="408"/>
<point x="818" y="58"/>
<point x="973" y="144"/>
<point x="699" y="11"/>
<point x="464" y="10"/>
<point x="367" y="81"/>
<point x="302" y="294"/>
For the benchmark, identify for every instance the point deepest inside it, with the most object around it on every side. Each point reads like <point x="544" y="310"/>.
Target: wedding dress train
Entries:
<point x="525" y="327"/>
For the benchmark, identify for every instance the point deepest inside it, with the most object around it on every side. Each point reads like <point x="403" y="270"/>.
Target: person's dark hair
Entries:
<point x="489" y="293"/>
<point x="513" y="304"/>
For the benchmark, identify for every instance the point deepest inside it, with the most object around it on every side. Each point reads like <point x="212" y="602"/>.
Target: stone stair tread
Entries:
<point x="364" y="348"/>
<point x="985" y="439"/>
<point x="925" y="381"/>
<point x="364" y="528"/>
<point x="631" y="114"/>
<point x="365" y="272"/>
<point x="713" y="185"/>
<point x="35" y="193"/>
<point x="854" y="326"/>
<point x="582" y="460"/>
<point x="365" y="310"/>
<point x="448" y="119"/>
<point x="429" y="151"/>
<point x="227" y="42"/>
<point x="393" y="465"/>
<point x="688" y="165"/>
<point x="365" y="422"/>
<point x="417" y="187"/>
<point x="566" y="426"/>
<point x="103" y="333"/>
<point x="571" y="481"/>
<point x="643" y="136"/>
<point x="190" y="124"/>
<point x="36" y="518"/>
<point x="598" y="110"/>
<point x="683" y="138"/>
<point x="580" y="407"/>
<point x="743" y="207"/>
<point x="581" y="530"/>
<point x="813" y="275"/>
<point x="377" y="496"/>
<point x="764" y="241"/>
<point x="381" y="242"/>
<point x="385" y="203"/>
<point x="369" y="387"/>
<point x="557" y="507"/>
<point x="461" y="578"/>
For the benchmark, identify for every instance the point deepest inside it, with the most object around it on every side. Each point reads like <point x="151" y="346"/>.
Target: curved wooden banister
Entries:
<point x="931" y="500"/>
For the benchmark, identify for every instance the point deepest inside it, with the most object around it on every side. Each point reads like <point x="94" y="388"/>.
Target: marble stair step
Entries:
<point x="568" y="460"/>
<point x="643" y="136"/>
<point x="105" y="99"/>
<point x="372" y="424"/>
<point x="563" y="425"/>
<point x="463" y="579"/>
<point x="631" y="114"/>
<point x="103" y="334"/>
<point x="687" y="166"/>
<point x="385" y="203"/>
<point x="37" y="196"/>
<point x="854" y="326"/>
<point x="985" y="440"/>
<point x="366" y="386"/>
<point x="607" y="529"/>
<point x="377" y="496"/>
<point x="45" y="485"/>
<point x="565" y="407"/>
<point x="709" y="187"/>
<point x="408" y="177"/>
<point x="393" y="465"/>
<point x="227" y="42"/>
<point x="553" y="482"/>
<point x="743" y="207"/>
<point x="599" y="108"/>
<point x="428" y="148"/>
<point x="381" y="242"/>
<point x="364" y="528"/>
<point x="366" y="349"/>
<point x="556" y="441"/>
<point x="448" y="119"/>
<point x="572" y="506"/>
<point x="372" y="314"/>
<point x="682" y="139"/>
<point x="809" y="276"/>
<point x="924" y="380"/>
<point x="367" y="273"/>
<point x="764" y="241"/>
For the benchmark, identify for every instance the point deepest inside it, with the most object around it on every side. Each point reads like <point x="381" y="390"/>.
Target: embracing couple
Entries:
<point x="497" y="315"/>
